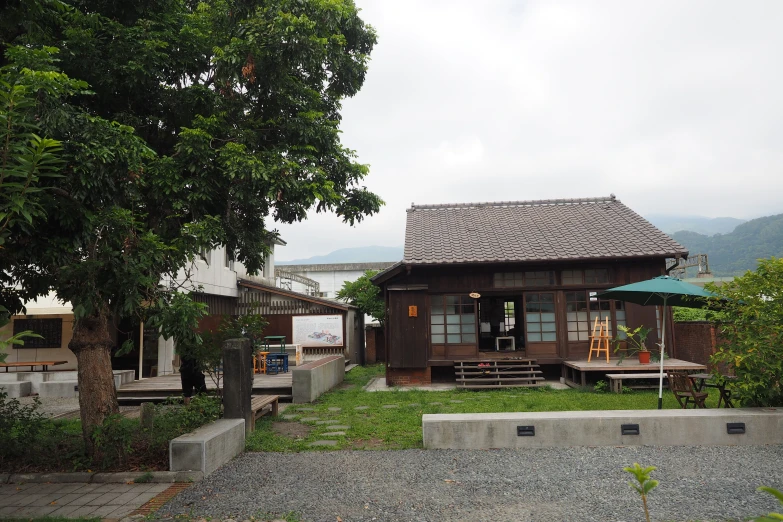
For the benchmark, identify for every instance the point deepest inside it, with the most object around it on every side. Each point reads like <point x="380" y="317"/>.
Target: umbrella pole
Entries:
<point x="663" y="350"/>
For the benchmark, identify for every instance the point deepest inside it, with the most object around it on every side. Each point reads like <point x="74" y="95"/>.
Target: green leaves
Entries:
<point x="363" y="294"/>
<point x="749" y="312"/>
<point x="644" y="484"/>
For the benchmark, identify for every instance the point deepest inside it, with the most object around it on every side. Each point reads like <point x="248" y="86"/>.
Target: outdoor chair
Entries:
<point x="684" y="391"/>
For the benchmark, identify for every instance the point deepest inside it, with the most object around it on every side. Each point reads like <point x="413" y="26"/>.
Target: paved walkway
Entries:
<point x="75" y="500"/>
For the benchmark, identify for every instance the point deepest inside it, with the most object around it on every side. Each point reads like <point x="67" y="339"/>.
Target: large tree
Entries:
<point x="206" y="121"/>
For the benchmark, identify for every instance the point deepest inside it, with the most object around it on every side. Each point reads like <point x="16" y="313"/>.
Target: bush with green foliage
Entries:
<point x="685" y="315"/>
<point x="749" y="311"/>
<point x="20" y="425"/>
<point x="363" y="294"/>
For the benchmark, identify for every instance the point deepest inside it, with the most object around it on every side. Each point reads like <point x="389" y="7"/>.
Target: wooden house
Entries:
<point x="507" y="280"/>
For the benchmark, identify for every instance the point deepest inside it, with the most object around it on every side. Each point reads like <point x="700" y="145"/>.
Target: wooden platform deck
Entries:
<point x="166" y="385"/>
<point x="575" y="372"/>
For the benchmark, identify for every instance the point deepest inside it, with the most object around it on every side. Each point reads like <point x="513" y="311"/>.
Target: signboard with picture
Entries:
<point x="318" y="330"/>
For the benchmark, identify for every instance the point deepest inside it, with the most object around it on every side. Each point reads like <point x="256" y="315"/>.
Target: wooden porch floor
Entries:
<point x="171" y="385"/>
<point x="575" y="372"/>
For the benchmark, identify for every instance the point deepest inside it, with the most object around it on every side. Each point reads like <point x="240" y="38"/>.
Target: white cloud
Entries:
<point x="676" y="107"/>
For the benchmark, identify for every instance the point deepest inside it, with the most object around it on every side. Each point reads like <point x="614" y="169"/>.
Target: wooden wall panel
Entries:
<point x="408" y="345"/>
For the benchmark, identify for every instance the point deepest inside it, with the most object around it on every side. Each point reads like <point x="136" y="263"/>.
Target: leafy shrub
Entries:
<point x="750" y="314"/>
<point x="20" y="426"/>
<point x="601" y="387"/>
<point x="113" y="440"/>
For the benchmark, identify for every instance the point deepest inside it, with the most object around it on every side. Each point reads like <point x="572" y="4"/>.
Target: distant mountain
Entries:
<point x="699" y="224"/>
<point x="736" y="252"/>
<point x="369" y="254"/>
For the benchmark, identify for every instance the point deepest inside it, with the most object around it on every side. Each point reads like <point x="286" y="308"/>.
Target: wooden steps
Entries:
<point x="486" y="374"/>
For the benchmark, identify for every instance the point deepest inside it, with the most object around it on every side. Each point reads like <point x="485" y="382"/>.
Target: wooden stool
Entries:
<point x="259" y="362"/>
<point x="599" y="341"/>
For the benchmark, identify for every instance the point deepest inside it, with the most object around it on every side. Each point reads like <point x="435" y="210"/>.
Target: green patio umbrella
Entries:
<point x="660" y="291"/>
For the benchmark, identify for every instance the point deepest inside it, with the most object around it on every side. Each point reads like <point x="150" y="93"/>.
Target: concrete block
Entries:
<point x="17" y="389"/>
<point x="238" y="381"/>
<point x="208" y="447"/>
<point x="8" y="377"/>
<point x="602" y="428"/>
<point x="66" y="375"/>
<point x="313" y="379"/>
<point x="126" y="376"/>
<point x="58" y="389"/>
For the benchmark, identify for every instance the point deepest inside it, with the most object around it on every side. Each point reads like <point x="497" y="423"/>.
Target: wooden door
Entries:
<point x="408" y="329"/>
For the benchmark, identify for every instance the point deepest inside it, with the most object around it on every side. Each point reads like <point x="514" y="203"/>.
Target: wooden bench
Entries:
<point x="43" y="364"/>
<point x="259" y="403"/>
<point x="616" y="381"/>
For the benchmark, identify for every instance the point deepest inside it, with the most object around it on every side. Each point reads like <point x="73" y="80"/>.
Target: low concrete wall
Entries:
<point x="312" y="380"/>
<point x="208" y="447"/>
<point x="16" y="389"/>
<point x="602" y="428"/>
<point x="61" y="389"/>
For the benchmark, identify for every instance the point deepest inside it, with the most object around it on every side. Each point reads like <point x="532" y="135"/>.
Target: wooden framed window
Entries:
<point x="596" y="276"/>
<point x="452" y="320"/>
<point x="520" y="279"/>
<point x="572" y="277"/>
<point x="51" y="331"/>
<point x="619" y="317"/>
<point x="509" y="279"/>
<point x="509" y="315"/>
<point x="577" y="316"/>
<point x="588" y="276"/>
<point x="601" y="309"/>
<point x="540" y="317"/>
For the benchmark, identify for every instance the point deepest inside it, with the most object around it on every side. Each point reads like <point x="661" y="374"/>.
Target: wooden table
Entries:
<point x="276" y="338"/>
<point x="701" y="380"/>
<point x="43" y="364"/>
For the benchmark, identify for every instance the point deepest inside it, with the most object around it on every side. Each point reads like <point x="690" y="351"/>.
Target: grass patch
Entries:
<point x="400" y="427"/>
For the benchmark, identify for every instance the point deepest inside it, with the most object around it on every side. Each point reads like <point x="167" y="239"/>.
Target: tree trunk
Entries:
<point x="92" y="344"/>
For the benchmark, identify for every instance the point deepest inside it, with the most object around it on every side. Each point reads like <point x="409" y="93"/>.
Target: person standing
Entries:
<point x="192" y="377"/>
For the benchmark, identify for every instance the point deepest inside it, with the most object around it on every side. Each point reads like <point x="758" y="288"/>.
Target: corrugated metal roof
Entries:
<point x="525" y="231"/>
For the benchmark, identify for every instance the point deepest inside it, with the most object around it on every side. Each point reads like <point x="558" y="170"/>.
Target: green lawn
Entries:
<point x="400" y="428"/>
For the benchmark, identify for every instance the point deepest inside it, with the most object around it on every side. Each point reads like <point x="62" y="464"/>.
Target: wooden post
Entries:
<point x="141" y="348"/>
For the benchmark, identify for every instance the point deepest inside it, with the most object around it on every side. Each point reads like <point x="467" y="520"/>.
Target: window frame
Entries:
<point x="439" y="328"/>
<point x="530" y="329"/>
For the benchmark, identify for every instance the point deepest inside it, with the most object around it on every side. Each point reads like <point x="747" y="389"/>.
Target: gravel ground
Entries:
<point x="575" y="484"/>
<point x="51" y="406"/>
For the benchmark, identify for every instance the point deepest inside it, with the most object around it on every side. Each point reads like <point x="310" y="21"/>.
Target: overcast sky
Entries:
<point x="676" y="107"/>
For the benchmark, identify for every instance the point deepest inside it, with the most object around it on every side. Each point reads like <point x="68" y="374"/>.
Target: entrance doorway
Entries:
<point x="501" y="324"/>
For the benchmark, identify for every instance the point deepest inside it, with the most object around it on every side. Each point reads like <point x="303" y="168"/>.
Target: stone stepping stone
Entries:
<point x="339" y="427"/>
<point x="333" y="434"/>
<point x="323" y="443"/>
<point x="308" y="419"/>
<point x="328" y="422"/>
<point x="333" y="408"/>
<point x="390" y="406"/>
<point x="303" y="408"/>
<point x="414" y="404"/>
<point x="290" y="417"/>
<point x="456" y="402"/>
<point x="362" y="408"/>
<point x="436" y="404"/>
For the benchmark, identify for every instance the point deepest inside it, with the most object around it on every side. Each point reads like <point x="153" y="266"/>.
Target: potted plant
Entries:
<point x="633" y="341"/>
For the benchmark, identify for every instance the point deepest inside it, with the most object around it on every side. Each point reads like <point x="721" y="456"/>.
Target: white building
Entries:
<point x="213" y="275"/>
<point x="330" y="277"/>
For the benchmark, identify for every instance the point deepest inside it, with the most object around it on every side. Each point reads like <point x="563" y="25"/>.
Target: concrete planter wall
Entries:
<point x="208" y="447"/>
<point x="603" y="428"/>
<point x="312" y="380"/>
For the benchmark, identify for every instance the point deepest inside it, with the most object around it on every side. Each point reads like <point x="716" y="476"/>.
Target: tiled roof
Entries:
<point x="523" y="231"/>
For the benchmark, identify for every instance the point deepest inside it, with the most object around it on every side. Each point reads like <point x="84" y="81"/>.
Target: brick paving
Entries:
<point x="113" y="501"/>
